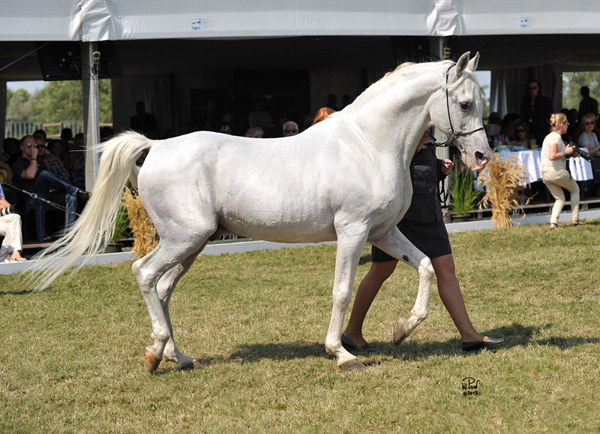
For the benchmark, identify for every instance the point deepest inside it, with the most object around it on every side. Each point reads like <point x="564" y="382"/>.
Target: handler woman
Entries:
<point x="424" y="226"/>
<point x="554" y="170"/>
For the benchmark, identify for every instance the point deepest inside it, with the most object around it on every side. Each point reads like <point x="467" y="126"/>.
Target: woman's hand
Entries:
<point x="4" y="203"/>
<point x="447" y="166"/>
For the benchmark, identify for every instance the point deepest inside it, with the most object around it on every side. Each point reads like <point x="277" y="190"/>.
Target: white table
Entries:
<point x="581" y="170"/>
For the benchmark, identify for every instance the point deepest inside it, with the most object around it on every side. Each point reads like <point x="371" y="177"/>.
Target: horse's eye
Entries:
<point x="464" y="105"/>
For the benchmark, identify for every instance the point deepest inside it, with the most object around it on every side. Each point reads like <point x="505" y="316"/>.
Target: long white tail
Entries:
<point x="93" y="229"/>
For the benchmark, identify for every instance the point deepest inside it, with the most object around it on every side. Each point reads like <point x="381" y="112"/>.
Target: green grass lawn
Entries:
<point x="72" y="359"/>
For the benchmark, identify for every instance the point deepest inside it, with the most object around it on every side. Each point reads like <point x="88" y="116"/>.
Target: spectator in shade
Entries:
<point x="31" y="175"/>
<point x="587" y="104"/>
<point x="256" y="132"/>
<point x="588" y="137"/>
<point x="522" y="139"/>
<point x="227" y="128"/>
<point x="290" y="128"/>
<point x="492" y="128"/>
<point x="52" y="159"/>
<point x="260" y="117"/>
<point x="536" y="110"/>
<point x="143" y="122"/>
<point x="332" y="102"/>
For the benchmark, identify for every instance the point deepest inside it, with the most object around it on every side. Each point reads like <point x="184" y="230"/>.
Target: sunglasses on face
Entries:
<point x="533" y="88"/>
<point x="258" y="135"/>
<point x="33" y="145"/>
<point x="590" y="123"/>
<point x="292" y="130"/>
<point x="520" y="131"/>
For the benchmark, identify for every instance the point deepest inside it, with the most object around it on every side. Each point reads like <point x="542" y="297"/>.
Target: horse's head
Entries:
<point x="459" y="116"/>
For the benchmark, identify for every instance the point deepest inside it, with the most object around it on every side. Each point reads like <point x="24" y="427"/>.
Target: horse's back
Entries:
<point x="265" y="188"/>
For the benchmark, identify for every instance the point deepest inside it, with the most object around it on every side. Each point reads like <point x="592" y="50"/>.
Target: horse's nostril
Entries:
<point x="479" y="156"/>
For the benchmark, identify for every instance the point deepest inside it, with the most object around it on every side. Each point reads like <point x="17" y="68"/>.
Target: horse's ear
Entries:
<point x="462" y="64"/>
<point x="473" y="62"/>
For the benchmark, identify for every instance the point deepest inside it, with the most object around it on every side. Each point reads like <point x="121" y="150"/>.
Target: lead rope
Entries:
<point x="49" y="202"/>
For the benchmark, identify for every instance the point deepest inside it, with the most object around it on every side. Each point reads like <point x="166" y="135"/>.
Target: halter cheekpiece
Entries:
<point x="452" y="139"/>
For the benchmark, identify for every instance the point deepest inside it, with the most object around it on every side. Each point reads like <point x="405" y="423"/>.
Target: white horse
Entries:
<point x="345" y="179"/>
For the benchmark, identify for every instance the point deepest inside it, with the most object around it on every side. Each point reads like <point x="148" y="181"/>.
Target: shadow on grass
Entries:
<point x="22" y="292"/>
<point x="515" y="334"/>
<point x="519" y="335"/>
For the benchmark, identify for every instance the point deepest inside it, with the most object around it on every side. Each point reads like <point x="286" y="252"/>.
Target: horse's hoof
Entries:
<point x="191" y="366"/>
<point x="352" y="365"/>
<point x="399" y="331"/>
<point x="151" y="362"/>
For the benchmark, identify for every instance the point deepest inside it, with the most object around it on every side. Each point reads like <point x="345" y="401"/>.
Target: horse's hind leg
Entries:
<point x="396" y="244"/>
<point x="165" y="288"/>
<point x="148" y="272"/>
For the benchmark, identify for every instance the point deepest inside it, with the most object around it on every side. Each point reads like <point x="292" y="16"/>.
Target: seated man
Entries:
<point x="31" y="175"/>
<point x="51" y="162"/>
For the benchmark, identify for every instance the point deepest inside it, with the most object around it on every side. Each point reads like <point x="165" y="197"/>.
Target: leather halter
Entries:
<point x="452" y="139"/>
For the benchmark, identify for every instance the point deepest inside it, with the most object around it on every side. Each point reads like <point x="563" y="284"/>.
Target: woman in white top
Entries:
<point x="588" y="137"/>
<point x="554" y="170"/>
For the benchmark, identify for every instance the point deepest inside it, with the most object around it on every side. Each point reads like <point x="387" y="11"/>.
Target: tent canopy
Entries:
<point x="100" y="20"/>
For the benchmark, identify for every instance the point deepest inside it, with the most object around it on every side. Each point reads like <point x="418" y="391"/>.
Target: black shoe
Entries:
<point x="351" y="346"/>
<point x="490" y="344"/>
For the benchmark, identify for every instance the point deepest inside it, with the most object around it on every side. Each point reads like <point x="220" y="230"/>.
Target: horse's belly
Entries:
<point x="290" y="226"/>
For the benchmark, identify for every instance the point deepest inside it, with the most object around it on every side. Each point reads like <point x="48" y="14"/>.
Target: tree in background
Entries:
<point x="572" y="83"/>
<point x="59" y="100"/>
<point x="18" y="107"/>
<point x="486" y="102"/>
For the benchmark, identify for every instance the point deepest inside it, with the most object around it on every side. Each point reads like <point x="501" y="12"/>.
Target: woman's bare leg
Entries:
<point x="451" y="296"/>
<point x="367" y="291"/>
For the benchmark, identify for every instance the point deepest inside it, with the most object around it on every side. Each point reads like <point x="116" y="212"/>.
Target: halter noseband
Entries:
<point x="452" y="139"/>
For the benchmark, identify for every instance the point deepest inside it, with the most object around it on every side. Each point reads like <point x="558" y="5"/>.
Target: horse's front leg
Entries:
<point x="349" y="249"/>
<point x="394" y="243"/>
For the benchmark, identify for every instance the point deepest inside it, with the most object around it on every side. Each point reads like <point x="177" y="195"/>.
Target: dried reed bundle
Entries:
<point x="502" y="178"/>
<point x="142" y="227"/>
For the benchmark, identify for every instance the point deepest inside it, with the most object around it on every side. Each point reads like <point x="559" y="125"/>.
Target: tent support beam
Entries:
<point x="91" y="110"/>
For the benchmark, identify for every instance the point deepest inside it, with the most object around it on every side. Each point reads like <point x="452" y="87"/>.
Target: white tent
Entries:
<point x="100" y="20"/>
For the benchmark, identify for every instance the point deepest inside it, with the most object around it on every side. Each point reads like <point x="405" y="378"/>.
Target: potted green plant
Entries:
<point x="121" y="230"/>
<point x="463" y="196"/>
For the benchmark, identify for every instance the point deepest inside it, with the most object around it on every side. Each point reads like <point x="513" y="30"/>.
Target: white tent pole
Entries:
<point x="3" y="108"/>
<point x="90" y="58"/>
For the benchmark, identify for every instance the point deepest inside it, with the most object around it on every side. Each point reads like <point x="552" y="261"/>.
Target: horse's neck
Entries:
<point x="393" y="114"/>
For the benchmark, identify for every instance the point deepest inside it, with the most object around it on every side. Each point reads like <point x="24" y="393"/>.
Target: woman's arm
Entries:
<point x="554" y="154"/>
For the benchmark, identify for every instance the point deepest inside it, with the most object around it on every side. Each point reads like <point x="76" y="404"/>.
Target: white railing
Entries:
<point x="53" y="129"/>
